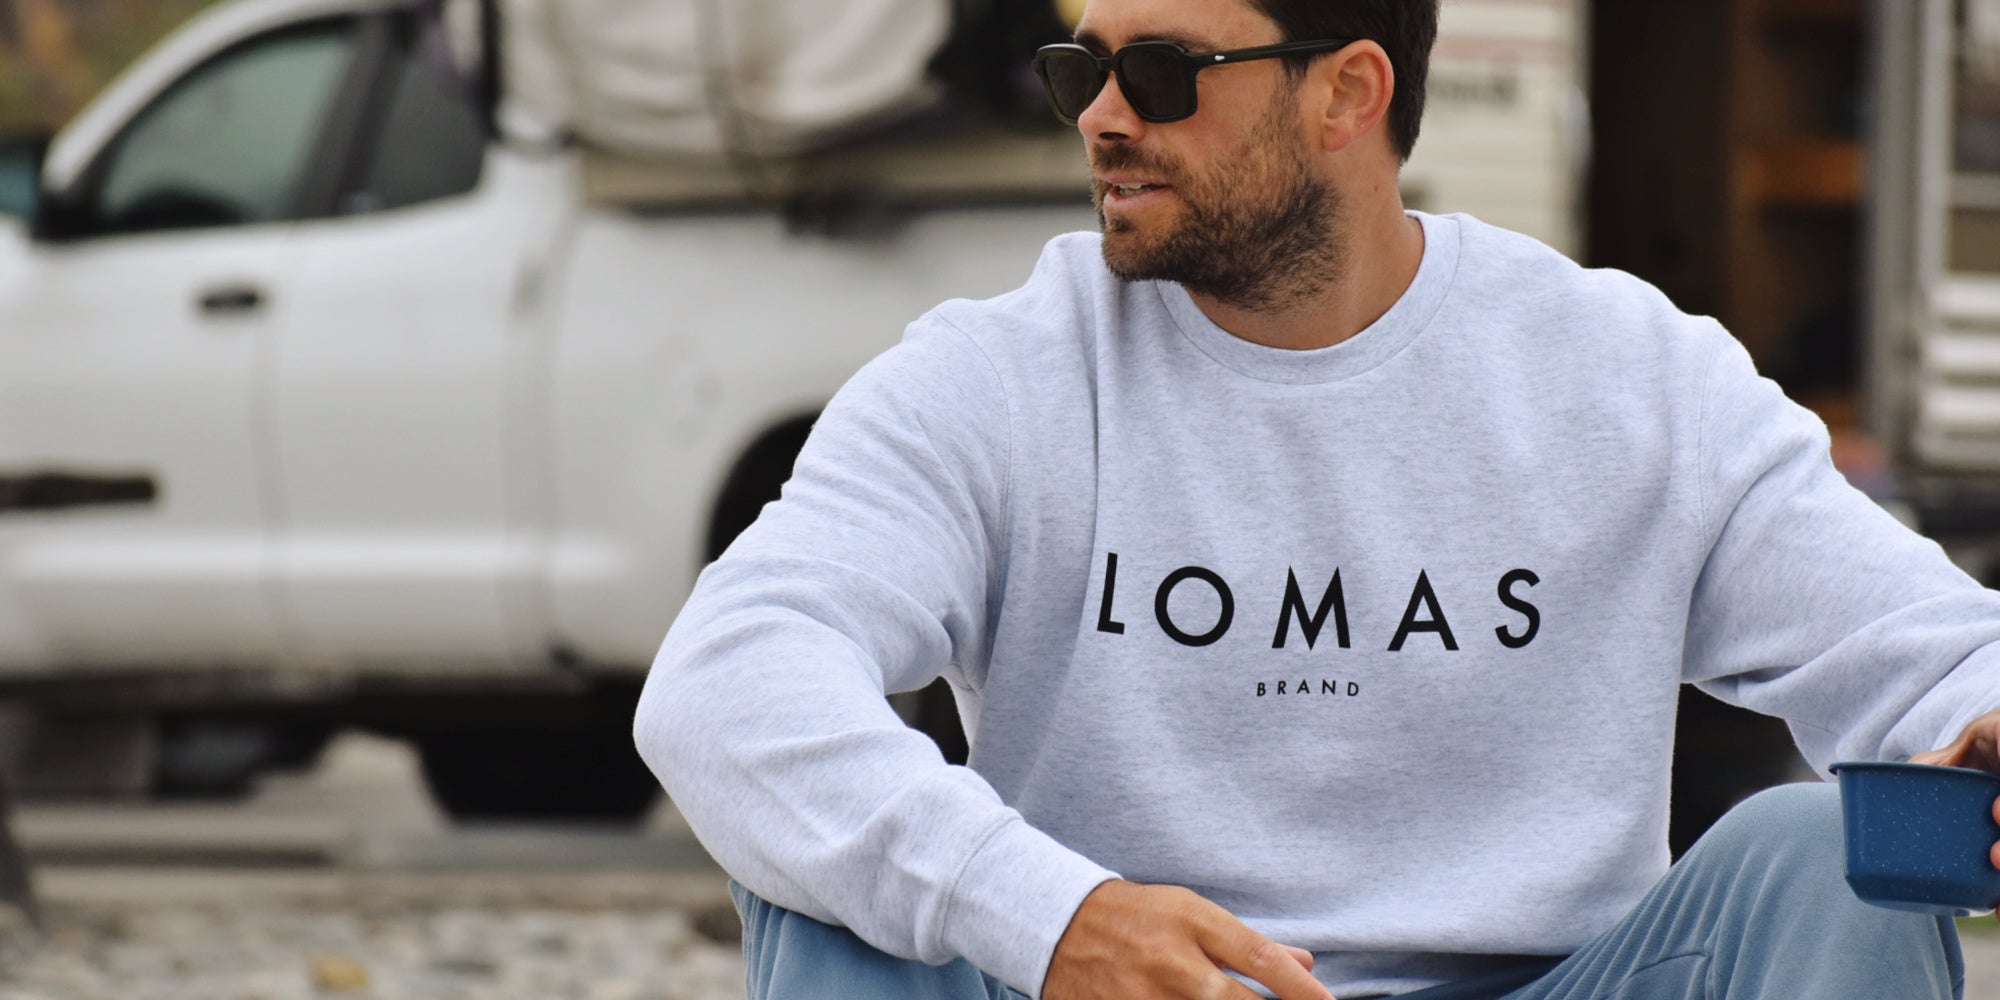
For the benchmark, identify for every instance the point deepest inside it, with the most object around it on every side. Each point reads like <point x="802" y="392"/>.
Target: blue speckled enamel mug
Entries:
<point x="1919" y="836"/>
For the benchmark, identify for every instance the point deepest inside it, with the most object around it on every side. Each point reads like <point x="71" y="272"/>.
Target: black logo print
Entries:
<point x="1424" y="614"/>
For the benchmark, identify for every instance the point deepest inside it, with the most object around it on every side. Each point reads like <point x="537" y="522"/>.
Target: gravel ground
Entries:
<point x="228" y="936"/>
<point x="456" y="938"/>
<point x="400" y="906"/>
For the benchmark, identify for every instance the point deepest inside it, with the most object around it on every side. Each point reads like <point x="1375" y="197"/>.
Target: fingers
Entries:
<point x="1966" y="751"/>
<point x="1129" y="940"/>
<point x="1977" y="746"/>
<point x="1218" y="985"/>
<point x="1233" y="944"/>
<point x="1952" y="756"/>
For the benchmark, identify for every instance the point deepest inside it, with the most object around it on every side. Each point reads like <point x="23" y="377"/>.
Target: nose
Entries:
<point x="1109" y="117"/>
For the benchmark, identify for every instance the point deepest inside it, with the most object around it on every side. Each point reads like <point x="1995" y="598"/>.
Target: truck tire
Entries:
<point x="589" y="774"/>
<point x="757" y="479"/>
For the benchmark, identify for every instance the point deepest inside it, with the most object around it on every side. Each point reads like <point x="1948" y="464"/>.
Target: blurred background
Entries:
<point x="376" y="375"/>
<point x="55" y="54"/>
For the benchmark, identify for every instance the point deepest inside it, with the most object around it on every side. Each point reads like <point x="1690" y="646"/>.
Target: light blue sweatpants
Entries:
<point x="1757" y="910"/>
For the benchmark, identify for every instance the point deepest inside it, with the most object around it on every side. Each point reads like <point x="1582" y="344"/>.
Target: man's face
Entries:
<point x="1230" y="205"/>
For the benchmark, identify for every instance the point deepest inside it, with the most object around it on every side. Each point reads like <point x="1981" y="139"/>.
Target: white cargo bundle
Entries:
<point x="674" y="79"/>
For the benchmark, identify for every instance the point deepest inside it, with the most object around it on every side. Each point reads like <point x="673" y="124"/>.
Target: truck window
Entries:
<point x="229" y="143"/>
<point x="432" y="140"/>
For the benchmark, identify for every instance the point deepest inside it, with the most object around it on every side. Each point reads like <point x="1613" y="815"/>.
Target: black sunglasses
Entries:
<point x="1157" y="78"/>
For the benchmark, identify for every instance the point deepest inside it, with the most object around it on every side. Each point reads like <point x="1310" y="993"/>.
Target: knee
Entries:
<point x="1800" y="822"/>
<point x="1781" y="859"/>
<point x="789" y="955"/>
<point x="781" y="948"/>
<point x="1810" y="805"/>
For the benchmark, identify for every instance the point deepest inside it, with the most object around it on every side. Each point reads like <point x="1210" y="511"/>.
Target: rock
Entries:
<point x="18" y="932"/>
<point x="614" y="989"/>
<point x="453" y="939"/>
<point x="339" y="974"/>
<point x="467" y="965"/>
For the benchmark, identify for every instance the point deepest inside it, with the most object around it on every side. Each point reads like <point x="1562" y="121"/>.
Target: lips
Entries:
<point x="1118" y="188"/>
<point x="1123" y="172"/>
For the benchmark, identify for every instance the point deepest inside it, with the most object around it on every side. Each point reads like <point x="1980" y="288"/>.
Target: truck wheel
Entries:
<point x="589" y="774"/>
<point x="758" y="478"/>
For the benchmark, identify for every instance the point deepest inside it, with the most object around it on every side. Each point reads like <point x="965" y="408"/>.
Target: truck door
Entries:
<point x="398" y="381"/>
<point x="133" y="507"/>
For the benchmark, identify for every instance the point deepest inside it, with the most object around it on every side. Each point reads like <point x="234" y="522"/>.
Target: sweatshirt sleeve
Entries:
<point x="1813" y="603"/>
<point x="764" y="717"/>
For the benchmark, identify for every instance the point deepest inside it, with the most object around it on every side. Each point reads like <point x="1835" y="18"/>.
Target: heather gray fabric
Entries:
<point x="1377" y="646"/>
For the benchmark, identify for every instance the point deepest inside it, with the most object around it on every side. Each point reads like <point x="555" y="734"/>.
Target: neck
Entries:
<point x="1387" y="246"/>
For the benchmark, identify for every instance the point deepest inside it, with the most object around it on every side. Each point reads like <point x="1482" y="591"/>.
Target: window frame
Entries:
<point x="75" y="215"/>
<point x="394" y="36"/>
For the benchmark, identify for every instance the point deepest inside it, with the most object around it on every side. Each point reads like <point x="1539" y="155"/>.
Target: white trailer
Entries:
<point x="1934" y="266"/>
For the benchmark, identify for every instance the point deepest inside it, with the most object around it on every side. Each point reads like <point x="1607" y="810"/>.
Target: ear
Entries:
<point x="1354" y="87"/>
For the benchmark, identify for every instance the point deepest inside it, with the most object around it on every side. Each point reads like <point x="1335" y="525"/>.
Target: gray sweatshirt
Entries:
<point x="1377" y="646"/>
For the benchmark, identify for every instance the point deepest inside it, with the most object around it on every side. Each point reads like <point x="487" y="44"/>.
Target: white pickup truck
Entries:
<point x="321" y="405"/>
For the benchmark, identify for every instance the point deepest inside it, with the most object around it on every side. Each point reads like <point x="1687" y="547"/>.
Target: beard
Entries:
<point x="1256" y="232"/>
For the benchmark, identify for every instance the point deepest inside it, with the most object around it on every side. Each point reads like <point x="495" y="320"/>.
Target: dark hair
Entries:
<point x="1404" y="28"/>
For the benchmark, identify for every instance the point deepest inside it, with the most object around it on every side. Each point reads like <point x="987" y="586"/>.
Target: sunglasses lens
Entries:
<point x="1072" y="79"/>
<point x="1154" y="82"/>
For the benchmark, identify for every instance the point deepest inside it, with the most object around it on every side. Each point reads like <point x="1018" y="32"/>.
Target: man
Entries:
<point x="1325" y="571"/>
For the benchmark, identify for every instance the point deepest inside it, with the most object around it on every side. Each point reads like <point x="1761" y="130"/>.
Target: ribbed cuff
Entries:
<point x="1013" y="902"/>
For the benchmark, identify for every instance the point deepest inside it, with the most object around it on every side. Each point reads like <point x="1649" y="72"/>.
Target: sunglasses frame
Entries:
<point x="1190" y="63"/>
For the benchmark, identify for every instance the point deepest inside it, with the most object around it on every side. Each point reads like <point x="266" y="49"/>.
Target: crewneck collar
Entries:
<point x="1377" y="343"/>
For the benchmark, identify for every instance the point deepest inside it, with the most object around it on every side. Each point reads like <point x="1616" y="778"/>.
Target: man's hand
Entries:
<point x="1130" y="941"/>
<point x="1977" y="747"/>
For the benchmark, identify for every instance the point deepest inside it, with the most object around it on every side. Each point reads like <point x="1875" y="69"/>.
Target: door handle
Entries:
<point x="49" y="489"/>
<point x="232" y="299"/>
